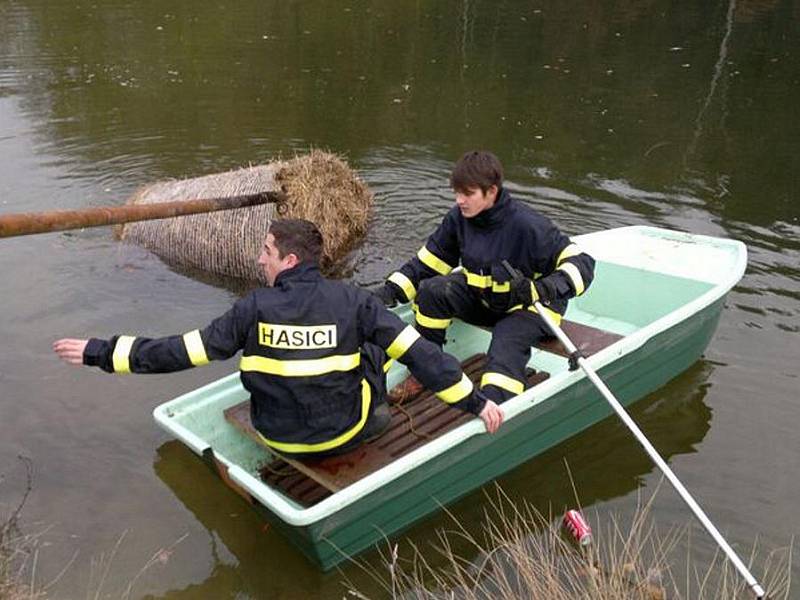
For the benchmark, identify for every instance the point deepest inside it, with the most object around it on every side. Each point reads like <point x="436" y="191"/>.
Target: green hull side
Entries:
<point x="482" y="458"/>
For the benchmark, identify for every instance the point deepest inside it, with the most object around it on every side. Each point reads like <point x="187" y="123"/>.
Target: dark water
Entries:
<point x="681" y="115"/>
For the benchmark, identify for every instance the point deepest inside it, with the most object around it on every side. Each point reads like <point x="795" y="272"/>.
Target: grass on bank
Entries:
<point x="523" y="554"/>
<point x="19" y="555"/>
<point x="519" y="553"/>
<point x="17" y="550"/>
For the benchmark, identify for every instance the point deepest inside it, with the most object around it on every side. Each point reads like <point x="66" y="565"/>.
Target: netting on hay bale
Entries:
<point x="319" y="187"/>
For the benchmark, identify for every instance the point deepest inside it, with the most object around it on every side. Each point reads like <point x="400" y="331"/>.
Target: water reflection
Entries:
<point x="676" y="419"/>
<point x="700" y="101"/>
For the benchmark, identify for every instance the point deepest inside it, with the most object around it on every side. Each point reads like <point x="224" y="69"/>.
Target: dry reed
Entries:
<point x="523" y="554"/>
<point x="19" y="554"/>
<point x="18" y="551"/>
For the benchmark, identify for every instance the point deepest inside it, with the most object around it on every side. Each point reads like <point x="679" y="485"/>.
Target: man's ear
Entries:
<point x="492" y="192"/>
<point x="291" y="260"/>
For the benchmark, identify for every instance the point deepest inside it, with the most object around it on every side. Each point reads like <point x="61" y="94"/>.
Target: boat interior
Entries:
<point x="623" y="301"/>
<point x="414" y="422"/>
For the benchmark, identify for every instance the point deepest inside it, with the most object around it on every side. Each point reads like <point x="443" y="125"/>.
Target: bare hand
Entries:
<point x="492" y="416"/>
<point x="70" y="350"/>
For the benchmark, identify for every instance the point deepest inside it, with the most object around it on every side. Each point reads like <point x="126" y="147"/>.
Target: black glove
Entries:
<point x="389" y="294"/>
<point x="546" y="288"/>
<point x="526" y="292"/>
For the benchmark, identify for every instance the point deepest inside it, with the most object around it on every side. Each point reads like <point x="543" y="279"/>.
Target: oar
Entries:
<point x="43" y="222"/>
<point x="634" y="429"/>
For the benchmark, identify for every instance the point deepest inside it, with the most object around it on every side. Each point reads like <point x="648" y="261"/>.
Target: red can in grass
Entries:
<point x="578" y="527"/>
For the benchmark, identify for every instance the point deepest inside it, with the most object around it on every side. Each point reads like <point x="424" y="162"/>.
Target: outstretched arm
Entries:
<point x="70" y="350"/>
<point x="129" y="354"/>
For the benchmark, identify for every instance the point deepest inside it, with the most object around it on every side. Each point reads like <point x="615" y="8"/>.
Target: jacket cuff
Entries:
<point x="396" y="292"/>
<point x="96" y="354"/>
<point x="474" y="403"/>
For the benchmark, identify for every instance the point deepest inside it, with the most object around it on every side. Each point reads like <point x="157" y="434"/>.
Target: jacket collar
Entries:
<point x="495" y="215"/>
<point x="305" y="271"/>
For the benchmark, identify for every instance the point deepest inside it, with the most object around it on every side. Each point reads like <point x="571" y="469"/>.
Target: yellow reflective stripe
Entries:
<point x="568" y="252"/>
<point x="195" y="349"/>
<point x="388" y="365"/>
<point x="432" y="323"/>
<point x="300" y="368"/>
<point x="343" y="438"/>
<point x="434" y="262"/>
<point x="456" y="392"/>
<point x="534" y="293"/>
<point x="575" y="276"/>
<point x="403" y="342"/>
<point x="485" y="281"/>
<point x="500" y="288"/>
<point x="121" y="359"/>
<point x="404" y="283"/>
<point x="478" y="281"/>
<point x="502" y="381"/>
<point x="553" y="314"/>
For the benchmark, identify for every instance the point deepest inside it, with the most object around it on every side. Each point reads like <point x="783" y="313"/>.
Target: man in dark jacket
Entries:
<point x="486" y="229"/>
<point x="313" y="352"/>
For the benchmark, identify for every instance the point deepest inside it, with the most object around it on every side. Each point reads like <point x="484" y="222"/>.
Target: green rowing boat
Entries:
<point x="649" y="315"/>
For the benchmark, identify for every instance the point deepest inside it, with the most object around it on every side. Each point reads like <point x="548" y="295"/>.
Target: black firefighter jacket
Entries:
<point x="301" y="343"/>
<point x="511" y="231"/>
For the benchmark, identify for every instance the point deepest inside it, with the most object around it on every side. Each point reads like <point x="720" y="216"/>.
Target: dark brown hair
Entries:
<point x="477" y="169"/>
<point x="298" y="237"/>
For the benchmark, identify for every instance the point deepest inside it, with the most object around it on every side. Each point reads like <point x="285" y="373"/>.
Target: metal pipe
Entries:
<point x="44" y="222"/>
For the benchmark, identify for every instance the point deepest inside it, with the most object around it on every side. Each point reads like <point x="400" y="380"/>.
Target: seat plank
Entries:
<point x="589" y="340"/>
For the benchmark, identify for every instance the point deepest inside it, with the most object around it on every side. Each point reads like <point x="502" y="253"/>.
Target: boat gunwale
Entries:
<point x="296" y="516"/>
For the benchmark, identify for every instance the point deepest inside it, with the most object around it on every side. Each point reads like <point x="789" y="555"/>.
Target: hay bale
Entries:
<point x="319" y="186"/>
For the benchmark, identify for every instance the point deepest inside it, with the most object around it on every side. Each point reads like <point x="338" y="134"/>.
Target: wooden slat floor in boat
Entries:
<point x="413" y="423"/>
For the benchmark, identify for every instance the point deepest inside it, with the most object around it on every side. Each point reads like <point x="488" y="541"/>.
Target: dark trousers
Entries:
<point x="372" y="359"/>
<point x="441" y="298"/>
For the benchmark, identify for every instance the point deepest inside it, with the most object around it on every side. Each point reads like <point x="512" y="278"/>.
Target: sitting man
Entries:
<point x="487" y="231"/>
<point x="313" y="353"/>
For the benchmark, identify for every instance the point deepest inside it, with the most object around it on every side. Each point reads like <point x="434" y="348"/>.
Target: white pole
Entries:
<point x="684" y="493"/>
